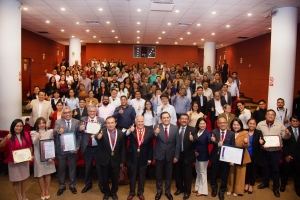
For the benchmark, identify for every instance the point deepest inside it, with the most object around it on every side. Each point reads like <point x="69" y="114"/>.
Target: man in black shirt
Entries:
<point x="260" y="113"/>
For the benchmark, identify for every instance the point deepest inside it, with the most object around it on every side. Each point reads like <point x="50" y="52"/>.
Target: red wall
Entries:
<point x="33" y="47"/>
<point x="255" y="52"/>
<point x="164" y="53"/>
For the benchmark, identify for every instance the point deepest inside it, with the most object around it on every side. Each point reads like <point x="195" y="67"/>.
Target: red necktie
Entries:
<point x="166" y="133"/>
<point x="222" y="137"/>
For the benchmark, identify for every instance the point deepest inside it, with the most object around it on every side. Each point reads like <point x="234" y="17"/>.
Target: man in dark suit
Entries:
<point x="224" y="71"/>
<point x="166" y="152"/>
<point x="215" y="107"/>
<point x="139" y="155"/>
<point x="297" y="163"/>
<point x="184" y="168"/>
<point x="159" y="84"/>
<point x="80" y="112"/>
<point x="220" y="136"/>
<point x="110" y="156"/>
<point x="68" y="124"/>
<point x="289" y="150"/>
<point x="98" y="80"/>
<point x="226" y="95"/>
<point x="201" y="99"/>
<point x="89" y="148"/>
<point x="196" y="84"/>
<point x="145" y="87"/>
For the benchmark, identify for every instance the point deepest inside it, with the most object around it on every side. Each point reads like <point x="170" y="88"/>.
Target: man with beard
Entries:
<point x="105" y="109"/>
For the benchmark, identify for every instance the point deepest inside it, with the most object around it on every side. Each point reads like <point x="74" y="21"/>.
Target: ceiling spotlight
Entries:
<point x="72" y="35"/>
<point x="228" y="26"/>
<point x="80" y="40"/>
<point x="169" y="23"/>
<point x="202" y="39"/>
<point x="108" y="22"/>
<point x="177" y="11"/>
<point x="25" y="8"/>
<point x="213" y="33"/>
<point x="156" y="42"/>
<point x="159" y="38"/>
<point x="214" y="12"/>
<point x="77" y="22"/>
<point x="194" y="43"/>
<point x="181" y="38"/>
<point x="137" y="31"/>
<point x="138" y="23"/>
<point x="138" y="37"/>
<point x="62" y="30"/>
<point x="269" y="28"/>
<point x="221" y="44"/>
<point x="63" y="9"/>
<point x="188" y="33"/>
<point x="94" y="36"/>
<point x="139" y="10"/>
<point x="87" y="30"/>
<point x="116" y="37"/>
<point x="175" y="42"/>
<point x="113" y="31"/>
<point x="198" y="24"/>
<point x="249" y="14"/>
<point x="119" y="41"/>
<point x="47" y="21"/>
<point x="137" y="42"/>
<point x="99" y="40"/>
<point x="163" y="32"/>
<point x="100" y="9"/>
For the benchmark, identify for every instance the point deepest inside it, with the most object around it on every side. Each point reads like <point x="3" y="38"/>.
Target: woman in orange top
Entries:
<point x="56" y="114"/>
<point x="91" y="100"/>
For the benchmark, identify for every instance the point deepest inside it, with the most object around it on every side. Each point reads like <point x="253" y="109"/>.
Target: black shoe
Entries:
<point x="214" y="193"/>
<point x="157" y="196"/>
<point x="276" y="193"/>
<point x="178" y="192"/>
<point x="298" y="192"/>
<point x="85" y="189"/>
<point x="186" y="196"/>
<point x="169" y="196"/>
<point x="73" y="190"/>
<point x="60" y="191"/>
<point x="262" y="186"/>
<point x="101" y="188"/>
<point x="250" y="192"/>
<point x="245" y="191"/>
<point x="221" y="196"/>
<point x="115" y="197"/>
<point x="106" y="197"/>
<point x="282" y="188"/>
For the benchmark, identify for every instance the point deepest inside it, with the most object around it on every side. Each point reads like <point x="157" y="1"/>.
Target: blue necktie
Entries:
<point x="68" y="126"/>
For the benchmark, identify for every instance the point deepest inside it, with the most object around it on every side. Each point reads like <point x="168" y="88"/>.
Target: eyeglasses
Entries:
<point x="222" y="122"/>
<point x="69" y="112"/>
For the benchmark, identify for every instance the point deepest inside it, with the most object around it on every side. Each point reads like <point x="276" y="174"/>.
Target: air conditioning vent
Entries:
<point x="243" y="37"/>
<point x="42" y="32"/>
<point x="184" y="24"/>
<point x="105" y="37"/>
<point x="162" y="1"/>
<point x="92" y="21"/>
<point x="168" y="38"/>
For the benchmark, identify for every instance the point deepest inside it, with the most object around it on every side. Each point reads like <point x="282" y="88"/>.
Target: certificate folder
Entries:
<point x="68" y="143"/>
<point x="232" y="154"/>
<point x="47" y="150"/>
<point x="22" y="155"/>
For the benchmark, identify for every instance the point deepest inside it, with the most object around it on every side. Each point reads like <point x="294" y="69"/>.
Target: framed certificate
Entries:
<point x="232" y="154"/>
<point x="272" y="141"/>
<point x="22" y="155"/>
<point x="47" y="150"/>
<point x="92" y="127"/>
<point x="68" y="142"/>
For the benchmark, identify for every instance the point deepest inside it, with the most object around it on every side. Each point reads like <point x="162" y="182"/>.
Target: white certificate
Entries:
<point x="92" y="128"/>
<point x="21" y="155"/>
<point x="68" y="142"/>
<point x="219" y="110"/>
<point x="231" y="154"/>
<point x="49" y="149"/>
<point x="272" y="141"/>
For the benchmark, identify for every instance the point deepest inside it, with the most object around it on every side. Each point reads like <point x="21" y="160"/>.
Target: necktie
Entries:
<point x="182" y="137"/>
<point x="201" y="101"/>
<point x="68" y="127"/>
<point x="296" y="133"/>
<point x="90" y="142"/>
<point x="166" y="133"/>
<point x="81" y="110"/>
<point x="112" y="135"/>
<point x="222" y="137"/>
<point x="140" y="133"/>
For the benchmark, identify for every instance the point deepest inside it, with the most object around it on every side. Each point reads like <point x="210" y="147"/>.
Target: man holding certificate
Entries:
<point x="220" y="136"/>
<point x="273" y="132"/>
<point x="110" y="156"/>
<point x="68" y="139"/>
<point x="91" y="125"/>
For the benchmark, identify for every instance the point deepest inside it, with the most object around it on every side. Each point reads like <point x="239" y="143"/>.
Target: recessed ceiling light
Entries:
<point x="163" y="32"/>
<point x="63" y="9"/>
<point x="108" y="22"/>
<point x="113" y="31"/>
<point x="159" y="38"/>
<point x="202" y="39"/>
<point x="177" y="11"/>
<point x="169" y="23"/>
<point x="221" y="44"/>
<point x="62" y="30"/>
<point x="138" y="37"/>
<point x="87" y="30"/>
<point x="181" y="38"/>
<point x="116" y="37"/>
<point x="198" y="24"/>
<point x="77" y="22"/>
<point x="100" y="9"/>
<point x="156" y="42"/>
<point x="194" y="43"/>
<point x="175" y="42"/>
<point x="47" y="21"/>
<point x="72" y="35"/>
<point x="214" y="12"/>
<point x="25" y="8"/>
<point x="228" y="26"/>
<point x="94" y="36"/>
<point x="119" y="41"/>
<point x="139" y="10"/>
<point x="137" y="42"/>
<point x="213" y="33"/>
<point x="137" y="31"/>
<point x="188" y="32"/>
<point x="80" y="40"/>
<point x="138" y="23"/>
<point x="269" y="28"/>
<point x="99" y="40"/>
<point x="249" y="14"/>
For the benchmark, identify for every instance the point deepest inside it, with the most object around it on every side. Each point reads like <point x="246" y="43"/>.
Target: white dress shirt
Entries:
<point x="208" y="93"/>
<point x="171" y="110"/>
<point x="116" y="102"/>
<point x="138" y="105"/>
<point x="149" y="120"/>
<point x="105" y="111"/>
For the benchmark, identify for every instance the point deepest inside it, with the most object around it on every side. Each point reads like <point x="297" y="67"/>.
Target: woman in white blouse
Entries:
<point x="123" y="91"/>
<point x="243" y="113"/>
<point x="72" y="101"/>
<point x="149" y="116"/>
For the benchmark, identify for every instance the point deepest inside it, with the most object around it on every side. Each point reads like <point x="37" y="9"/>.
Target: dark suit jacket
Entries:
<point x="78" y="116"/>
<point x="256" y="147"/>
<point x="163" y="86"/>
<point x="202" y="143"/>
<point x="86" y="136"/>
<point x="53" y="104"/>
<point x="170" y="148"/>
<point x="228" y="98"/>
<point x="289" y="146"/>
<point x="74" y="128"/>
<point x="104" y="150"/>
<point x="144" y="90"/>
<point x="145" y="149"/>
<point x="228" y="140"/>
<point x="211" y="104"/>
<point x="224" y="70"/>
<point x="297" y="147"/>
<point x="188" y="146"/>
<point x="203" y="108"/>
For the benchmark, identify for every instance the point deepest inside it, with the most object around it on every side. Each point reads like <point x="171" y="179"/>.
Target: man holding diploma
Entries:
<point x="62" y="126"/>
<point x="88" y="146"/>
<point x="272" y="127"/>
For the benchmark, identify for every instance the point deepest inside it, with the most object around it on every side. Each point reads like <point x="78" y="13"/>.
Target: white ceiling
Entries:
<point x="123" y="17"/>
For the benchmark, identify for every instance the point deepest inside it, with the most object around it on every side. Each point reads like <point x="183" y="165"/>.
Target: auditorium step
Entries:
<point x="249" y="104"/>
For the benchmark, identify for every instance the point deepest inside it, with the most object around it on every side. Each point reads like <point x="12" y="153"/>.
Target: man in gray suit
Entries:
<point x="62" y="126"/>
<point x="145" y="87"/>
<point x="166" y="152"/>
<point x="89" y="147"/>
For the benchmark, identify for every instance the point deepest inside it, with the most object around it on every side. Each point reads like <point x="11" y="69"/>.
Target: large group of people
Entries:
<point x="182" y="108"/>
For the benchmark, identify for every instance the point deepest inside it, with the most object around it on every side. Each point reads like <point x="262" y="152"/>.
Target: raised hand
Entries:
<point x="163" y="107"/>
<point x="261" y="141"/>
<point x="246" y="140"/>
<point x="100" y="135"/>
<point x="139" y="107"/>
<point x="175" y="160"/>
<point x="9" y="135"/>
<point x="39" y="136"/>
<point x="75" y="112"/>
<point x="99" y="104"/>
<point x="220" y="143"/>
<point x="212" y="109"/>
<point x="287" y="132"/>
<point x="121" y="111"/>
<point x="131" y="129"/>
<point x="213" y="138"/>
<point x="156" y="131"/>
<point x="191" y="137"/>
<point x="82" y="126"/>
<point x="61" y="130"/>
<point x="28" y="105"/>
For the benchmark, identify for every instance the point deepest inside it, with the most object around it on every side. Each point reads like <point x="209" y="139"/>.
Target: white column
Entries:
<point x="209" y="56"/>
<point x="283" y="57"/>
<point x="74" y="51"/>
<point x="10" y="62"/>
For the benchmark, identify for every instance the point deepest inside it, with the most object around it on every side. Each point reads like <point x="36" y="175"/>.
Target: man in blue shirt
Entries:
<point x="124" y="114"/>
<point x="181" y="103"/>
